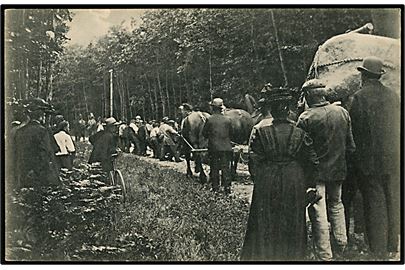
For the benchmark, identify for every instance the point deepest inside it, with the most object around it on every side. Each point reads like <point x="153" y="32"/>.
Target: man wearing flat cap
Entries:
<point x="375" y="113"/>
<point x="105" y="144"/>
<point x="218" y="130"/>
<point x="329" y="126"/>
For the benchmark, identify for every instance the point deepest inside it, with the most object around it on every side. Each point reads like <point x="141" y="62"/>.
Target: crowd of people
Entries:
<point x="332" y="149"/>
<point x="313" y="163"/>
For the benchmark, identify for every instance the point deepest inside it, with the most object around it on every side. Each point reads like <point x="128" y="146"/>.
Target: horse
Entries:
<point x="242" y="123"/>
<point x="191" y="130"/>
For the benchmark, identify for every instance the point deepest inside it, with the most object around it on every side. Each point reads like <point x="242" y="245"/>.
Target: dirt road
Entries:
<point x="242" y="187"/>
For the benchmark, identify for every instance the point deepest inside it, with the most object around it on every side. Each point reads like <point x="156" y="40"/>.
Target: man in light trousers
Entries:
<point x="329" y="126"/>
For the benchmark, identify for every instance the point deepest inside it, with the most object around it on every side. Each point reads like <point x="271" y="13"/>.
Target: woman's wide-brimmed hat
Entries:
<point x="271" y="94"/>
<point x="372" y="65"/>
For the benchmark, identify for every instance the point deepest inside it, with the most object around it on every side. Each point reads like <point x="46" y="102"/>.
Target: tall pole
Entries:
<point x="111" y="92"/>
<point x="279" y="49"/>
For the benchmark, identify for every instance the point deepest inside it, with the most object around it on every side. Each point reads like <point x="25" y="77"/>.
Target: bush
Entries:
<point x="167" y="217"/>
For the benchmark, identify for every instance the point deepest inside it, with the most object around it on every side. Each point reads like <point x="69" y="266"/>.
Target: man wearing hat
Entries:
<point x="142" y="137"/>
<point x="34" y="154"/>
<point x="166" y="133"/>
<point x="105" y="144"/>
<point x="218" y="130"/>
<point x="375" y="113"/>
<point x="92" y="124"/>
<point x="330" y="128"/>
<point x="66" y="148"/>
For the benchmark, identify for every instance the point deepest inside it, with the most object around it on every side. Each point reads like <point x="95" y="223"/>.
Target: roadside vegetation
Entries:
<point x="166" y="217"/>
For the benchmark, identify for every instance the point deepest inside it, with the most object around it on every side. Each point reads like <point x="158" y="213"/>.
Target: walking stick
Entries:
<point x="193" y="150"/>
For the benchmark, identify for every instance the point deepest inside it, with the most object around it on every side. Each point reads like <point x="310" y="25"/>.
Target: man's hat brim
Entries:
<point x="217" y="106"/>
<point x="363" y="69"/>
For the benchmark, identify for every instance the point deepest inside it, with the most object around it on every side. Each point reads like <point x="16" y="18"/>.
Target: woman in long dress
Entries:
<point x="282" y="164"/>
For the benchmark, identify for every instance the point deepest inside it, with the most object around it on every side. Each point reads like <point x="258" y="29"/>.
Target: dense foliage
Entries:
<point x="187" y="55"/>
<point x="34" y="43"/>
<point x="166" y="216"/>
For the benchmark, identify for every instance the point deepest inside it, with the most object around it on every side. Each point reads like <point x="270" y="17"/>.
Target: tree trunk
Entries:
<point x="180" y="90"/>
<point x="104" y="97"/>
<point x="167" y="96"/>
<point x="47" y="77"/>
<point x="27" y="78"/>
<point x="121" y="93"/>
<point x="186" y="85"/>
<point x="155" y="96"/>
<point x="39" y="78"/>
<point x="174" y="96"/>
<point x="85" y="99"/>
<point x="279" y="49"/>
<point x="129" y="114"/>
<point x="254" y="49"/>
<point x="210" y="66"/>
<point x="162" y="97"/>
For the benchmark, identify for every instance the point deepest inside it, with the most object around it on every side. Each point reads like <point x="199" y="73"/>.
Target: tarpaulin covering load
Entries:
<point x="336" y="61"/>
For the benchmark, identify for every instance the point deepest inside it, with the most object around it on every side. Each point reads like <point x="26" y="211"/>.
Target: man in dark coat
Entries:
<point x="375" y="112"/>
<point x="34" y="157"/>
<point x="218" y="130"/>
<point x="329" y="126"/>
<point x="143" y="137"/>
<point x="105" y="145"/>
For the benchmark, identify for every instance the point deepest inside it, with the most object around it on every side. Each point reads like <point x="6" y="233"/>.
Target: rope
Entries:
<point x="347" y="60"/>
<point x="241" y="157"/>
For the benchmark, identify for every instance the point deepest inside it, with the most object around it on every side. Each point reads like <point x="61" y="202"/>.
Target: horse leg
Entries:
<point x="199" y="168"/>
<point x="234" y="165"/>
<point x="197" y="160"/>
<point x="189" y="173"/>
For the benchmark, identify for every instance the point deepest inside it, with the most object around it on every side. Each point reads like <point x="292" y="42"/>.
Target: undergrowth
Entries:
<point x="166" y="217"/>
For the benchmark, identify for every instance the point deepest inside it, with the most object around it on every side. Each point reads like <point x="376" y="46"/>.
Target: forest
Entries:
<point x="169" y="57"/>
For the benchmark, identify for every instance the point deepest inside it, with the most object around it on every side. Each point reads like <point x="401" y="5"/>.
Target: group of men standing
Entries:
<point x="161" y="137"/>
<point x="355" y="146"/>
<point x="364" y="136"/>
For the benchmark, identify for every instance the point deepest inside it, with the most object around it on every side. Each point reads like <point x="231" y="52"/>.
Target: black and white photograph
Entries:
<point x="235" y="134"/>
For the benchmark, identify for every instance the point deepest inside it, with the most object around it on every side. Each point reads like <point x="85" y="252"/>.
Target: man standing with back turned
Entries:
<point x="218" y="130"/>
<point x="375" y="113"/>
<point x="330" y="128"/>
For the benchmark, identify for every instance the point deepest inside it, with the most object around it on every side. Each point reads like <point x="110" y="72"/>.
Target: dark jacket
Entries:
<point x="375" y="113"/>
<point x="218" y="130"/>
<point x="104" y="145"/>
<point x="329" y="126"/>
<point x="34" y="157"/>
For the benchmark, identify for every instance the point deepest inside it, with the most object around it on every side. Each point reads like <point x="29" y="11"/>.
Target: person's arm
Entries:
<point x="69" y="144"/>
<point x="357" y="123"/>
<point x="171" y="130"/>
<point x="350" y="145"/>
<point x="256" y="153"/>
<point x="44" y="157"/>
<point x="310" y="162"/>
<point x="302" y="122"/>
